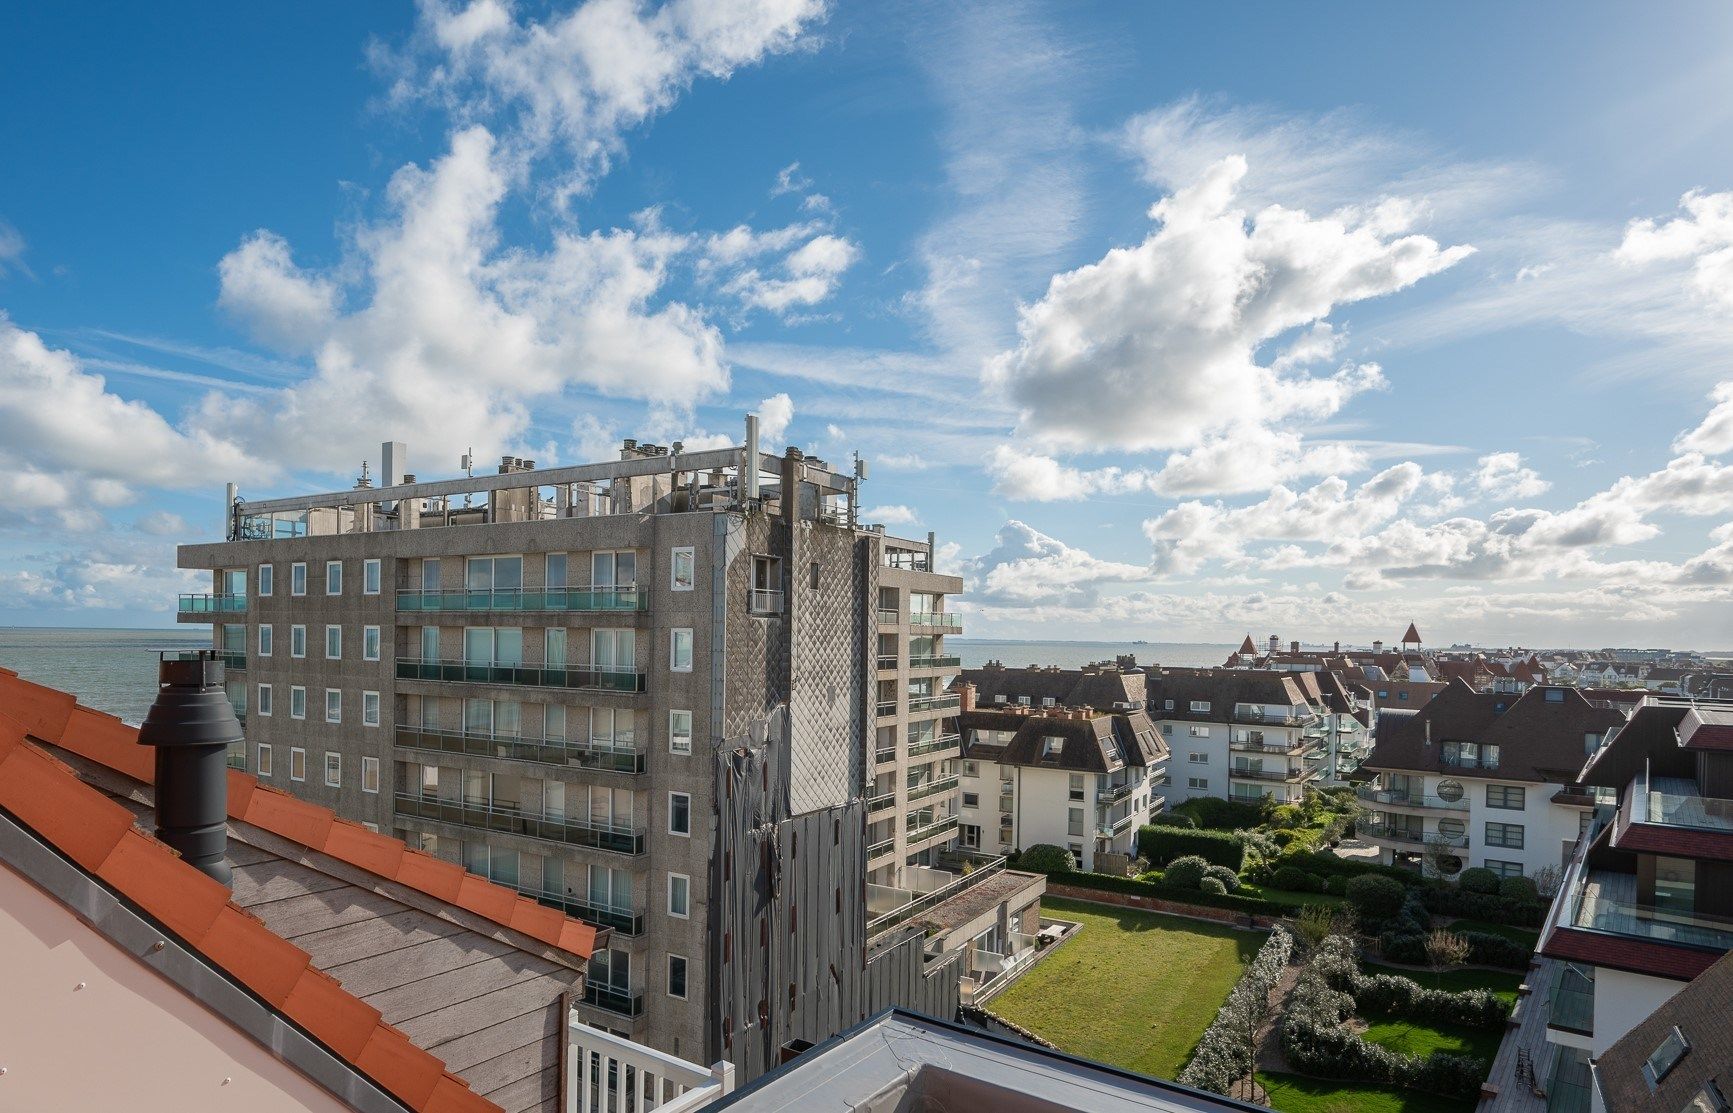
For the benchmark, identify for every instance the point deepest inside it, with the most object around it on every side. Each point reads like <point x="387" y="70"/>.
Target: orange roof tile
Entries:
<point x="54" y="717"/>
<point x="401" y="1067"/>
<point x="321" y="1005"/>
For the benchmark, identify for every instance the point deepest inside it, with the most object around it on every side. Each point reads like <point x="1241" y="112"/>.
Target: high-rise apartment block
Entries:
<point x="684" y="696"/>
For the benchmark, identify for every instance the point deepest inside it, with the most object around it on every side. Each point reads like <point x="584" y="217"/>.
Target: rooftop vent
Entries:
<point x="192" y="725"/>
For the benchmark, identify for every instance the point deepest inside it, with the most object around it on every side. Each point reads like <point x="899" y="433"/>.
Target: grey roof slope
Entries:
<point x="1539" y="740"/>
<point x="1699" y="1011"/>
<point x="1093" y="742"/>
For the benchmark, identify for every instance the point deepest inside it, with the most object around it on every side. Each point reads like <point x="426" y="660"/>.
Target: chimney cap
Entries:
<point x="192" y="708"/>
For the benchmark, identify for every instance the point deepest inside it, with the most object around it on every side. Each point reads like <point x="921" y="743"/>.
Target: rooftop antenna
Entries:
<point x="468" y="466"/>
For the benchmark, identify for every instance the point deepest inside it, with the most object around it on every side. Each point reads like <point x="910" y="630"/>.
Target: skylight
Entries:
<point x="1665" y="1057"/>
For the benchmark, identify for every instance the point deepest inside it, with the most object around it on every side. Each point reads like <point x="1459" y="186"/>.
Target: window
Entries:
<point x="370" y="774"/>
<point x="333" y="643"/>
<point x="369" y="709"/>
<point x="297" y="578"/>
<point x="1167" y="729"/>
<point x="1450" y="791"/>
<point x="676" y="976"/>
<point x="1507" y="835"/>
<point x="679" y="732"/>
<point x="370" y="643"/>
<point x="333" y="577"/>
<point x="333" y="705"/>
<point x="971" y="769"/>
<point x="1197" y="784"/>
<point x="1076" y="786"/>
<point x="297" y="702"/>
<point x="265" y="640"/>
<point x="684" y="570"/>
<point x="333" y="769"/>
<point x="971" y="799"/>
<point x="1074" y="822"/>
<point x="1199" y="732"/>
<point x="971" y="835"/>
<point x="1665" y="1057"/>
<point x="267" y="579"/>
<point x="1200" y="705"/>
<point x="370" y="576"/>
<point x="1503" y="869"/>
<point x="1402" y="695"/>
<point x="679" y="813"/>
<point x="264" y="760"/>
<point x="1555" y="695"/>
<point x="265" y="700"/>
<point x="1052" y="747"/>
<point x="554" y="571"/>
<point x="680" y="650"/>
<point x="1167" y="705"/>
<point x="297" y="641"/>
<point x="297" y="763"/>
<point x="1197" y="758"/>
<point x="679" y="895"/>
<point x="1505" y="796"/>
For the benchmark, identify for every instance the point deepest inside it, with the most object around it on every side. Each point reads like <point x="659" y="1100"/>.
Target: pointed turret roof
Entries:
<point x="1412" y="635"/>
<point x="1247" y="649"/>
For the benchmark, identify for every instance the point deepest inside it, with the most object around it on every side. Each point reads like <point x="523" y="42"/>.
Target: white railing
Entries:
<point x="606" y="1073"/>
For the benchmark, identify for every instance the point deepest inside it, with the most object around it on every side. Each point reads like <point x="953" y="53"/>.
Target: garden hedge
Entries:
<point x="1044" y="857"/>
<point x="1217" y="814"/>
<point x="1221" y="1057"/>
<point x="1484" y="906"/>
<point x="1162" y="845"/>
<point x="1375" y="898"/>
<point x="1137" y="886"/>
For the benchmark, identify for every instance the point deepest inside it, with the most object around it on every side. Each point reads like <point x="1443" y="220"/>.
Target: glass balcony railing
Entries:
<point x="935" y="662"/>
<point x="939" y="619"/>
<point x="533" y="676"/>
<point x="613" y="759"/>
<point x="887" y="660"/>
<point x="211" y="604"/>
<point x="1271" y="745"/>
<point x="932" y="703"/>
<point x="881" y="848"/>
<point x="926" y="831"/>
<point x="934" y="745"/>
<point x="1418" y="836"/>
<point x="887" y="707"/>
<point x="762" y="601"/>
<point x="889" y="616"/>
<point x="882" y="802"/>
<point x="1676" y="802"/>
<point x="933" y="787"/>
<point x="880" y="757"/>
<point x="568" y="600"/>
<point x="621" y="1001"/>
<point x="1605" y="900"/>
<point x="515" y="821"/>
<point x="1246" y="773"/>
<point x="623" y="920"/>
<point x="1113" y="794"/>
<point x="1396" y="797"/>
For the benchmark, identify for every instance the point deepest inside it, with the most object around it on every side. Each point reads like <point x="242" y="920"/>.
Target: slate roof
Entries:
<point x="444" y="989"/>
<point x="1094" y="742"/>
<point x="1105" y="688"/>
<point x="1699" y="1011"/>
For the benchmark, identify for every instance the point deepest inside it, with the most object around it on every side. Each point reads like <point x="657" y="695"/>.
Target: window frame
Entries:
<point x="372" y="576"/>
<point x="337" y="567"/>
<point x="673" y="830"/>
<point x="338" y="717"/>
<point x="265" y="579"/>
<point x="1504" y="795"/>
<point x="300" y="691"/>
<point x="262" y="702"/>
<point x="669" y="888"/>
<point x="378" y="643"/>
<point x="298" y="578"/>
<point x="297" y="635"/>
<point x="370" y="771"/>
<point x="298" y="756"/>
<point x="1503" y="842"/>
<point x="333" y="760"/>
<point x="674" y="634"/>
<point x="330" y="629"/>
<point x="684" y="976"/>
<point x="378" y="712"/>
<point x="266" y="639"/>
<point x="690" y="553"/>
<point x="691" y="722"/>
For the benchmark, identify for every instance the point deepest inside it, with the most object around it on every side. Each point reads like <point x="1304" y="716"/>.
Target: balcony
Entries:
<point x="1114" y="794"/>
<point x="1413" y="836"/>
<point x="889" y="616"/>
<point x="623" y="920"/>
<point x="211" y="604"/>
<point x="887" y="661"/>
<point x="1676" y="802"/>
<point x="932" y="703"/>
<point x="934" y="745"/>
<point x="1298" y="746"/>
<point x="1278" y="775"/>
<point x="932" y="662"/>
<point x="884" y="801"/>
<point x="932" y="788"/>
<point x="1604" y="900"/>
<point x="1399" y="798"/>
<point x="623" y="1002"/>
<point x="904" y="912"/>
<point x="597" y="600"/>
<point x="1258" y="713"/>
<point x="517" y="747"/>
<point x="1116" y="827"/>
<point x="886" y="708"/>
<point x="885" y="757"/>
<point x="881" y="848"/>
<point x="515" y="821"/>
<point x="529" y="676"/>
<point x="763" y="602"/>
<point x="991" y="971"/>
<point x="233" y="662"/>
<point x="938" y="620"/>
<point x="923" y="832"/>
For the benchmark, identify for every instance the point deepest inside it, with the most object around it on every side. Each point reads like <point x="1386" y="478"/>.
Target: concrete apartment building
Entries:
<point x="645" y="692"/>
<point x="1487" y="778"/>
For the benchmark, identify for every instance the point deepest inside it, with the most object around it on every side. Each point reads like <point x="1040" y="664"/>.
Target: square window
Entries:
<point x="267" y="578"/>
<point x="679" y="813"/>
<point x="333" y="643"/>
<point x="297" y="578"/>
<point x="679" y="732"/>
<point x="297" y="641"/>
<point x="679" y="895"/>
<point x="680" y="650"/>
<point x="333" y="770"/>
<point x="333" y="577"/>
<point x="370" y="643"/>
<point x="369" y="709"/>
<point x="684" y="569"/>
<point x="297" y="763"/>
<point x="676" y="976"/>
<point x="1198" y="784"/>
<point x="333" y="705"/>
<point x="370" y="577"/>
<point x="265" y="639"/>
<point x="265" y="700"/>
<point x="297" y="702"/>
<point x="264" y="760"/>
<point x="370" y="774"/>
<point x="971" y="799"/>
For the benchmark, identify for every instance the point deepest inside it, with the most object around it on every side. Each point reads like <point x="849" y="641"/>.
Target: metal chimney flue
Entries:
<point x="191" y="725"/>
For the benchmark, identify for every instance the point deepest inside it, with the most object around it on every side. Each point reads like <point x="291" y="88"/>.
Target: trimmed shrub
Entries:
<point x="1486" y="949"/>
<point x="1229" y="879"/>
<point x="1477" y="879"/>
<point x="1292" y="878"/>
<point x="1172" y="819"/>
<point x="1519" y="889"/>
<point x="1397" y="996"/>
<point x="1047" y="858"/>
<point x="1216" y="814"/>
<point x="1185" y="873"/>
<point x="1374" y="897"/>
<point x="1221" y="1057"/>
<point x="1213" y="885"/>
<point x="1483" y="906"/>
<point x="1162" y="845"/>
<point x="1331" y="866"/>
<point x="1152" y="885"/>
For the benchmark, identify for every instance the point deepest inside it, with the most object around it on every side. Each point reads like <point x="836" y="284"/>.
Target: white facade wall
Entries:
<point x="1549" y="830"/>
<point x="1623" y="1001"/>
<point x="1042" y="806"/>
<point x="1183" y="742"/>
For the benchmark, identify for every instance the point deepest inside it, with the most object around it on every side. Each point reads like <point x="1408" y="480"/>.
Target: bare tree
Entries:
<point x="1547" y="880"/>
<point x="1440" y="857"/>
<point x="1445" y="950"/>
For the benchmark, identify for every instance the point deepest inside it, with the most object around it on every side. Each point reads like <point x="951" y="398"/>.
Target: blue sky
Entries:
<point x="1174" y="322"/>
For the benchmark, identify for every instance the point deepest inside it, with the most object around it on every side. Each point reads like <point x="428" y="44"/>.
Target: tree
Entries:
<point x="1375" y="897"/>
<point x="1445" y="950"/>
<point x="1246" y="1010"/>
<point x="1547" y="880"/>
<point x="1440" y="857"/>
<point x="1317" y="922"/>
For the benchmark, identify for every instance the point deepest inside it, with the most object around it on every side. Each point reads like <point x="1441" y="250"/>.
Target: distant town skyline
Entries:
<point x="1173" y="325"/>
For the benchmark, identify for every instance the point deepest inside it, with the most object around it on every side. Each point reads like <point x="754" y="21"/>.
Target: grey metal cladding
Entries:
<point x="827" y="660"/>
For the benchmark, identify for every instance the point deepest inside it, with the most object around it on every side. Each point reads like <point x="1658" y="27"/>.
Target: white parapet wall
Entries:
<point x="606" y="1073"/>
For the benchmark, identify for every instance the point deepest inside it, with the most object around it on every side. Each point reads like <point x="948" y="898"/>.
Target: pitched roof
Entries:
<point x="1539" y="740"/>
<point x="1699" y="1011"/>
<point x="1411" y="635"/>
<point x="350" y="936"/>
<point x="1247" y="649"/>
<point x="1091" y="742"/>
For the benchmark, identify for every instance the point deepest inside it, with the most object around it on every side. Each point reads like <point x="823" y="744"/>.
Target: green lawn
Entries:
<point x="1291" y="1093"/>
<point x="1501" y="983"/>
<point x="1289" y="897"/>
<point x="1423" y="1039"/>
<point x="1132" y="989"/>
<point x="1524" y="936"/>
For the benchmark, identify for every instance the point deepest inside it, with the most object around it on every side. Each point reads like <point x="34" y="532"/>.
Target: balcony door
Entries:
<point x="614" y="650"/>
<point x="493" y="645"/>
